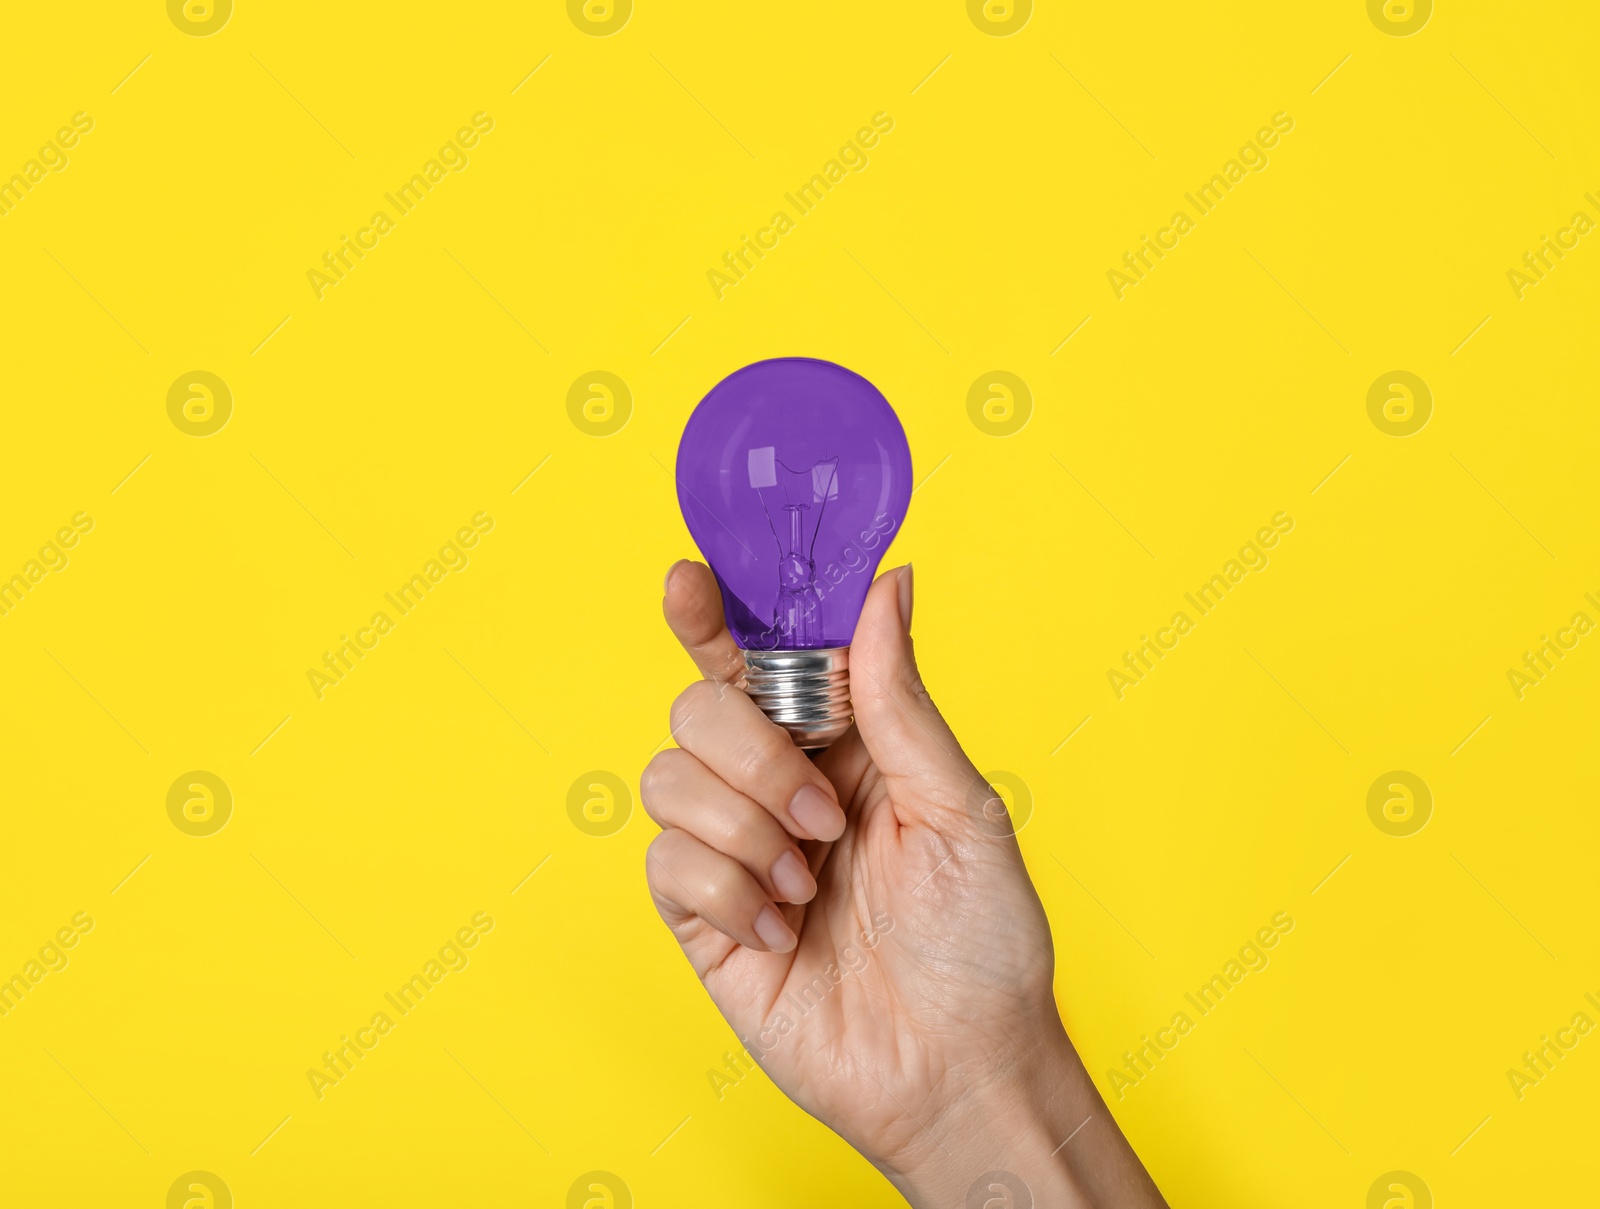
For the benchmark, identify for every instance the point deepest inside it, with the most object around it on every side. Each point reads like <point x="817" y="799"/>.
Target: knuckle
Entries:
<point x="690" y="702"/>
<point x="746" y="833"/>
<point x="658" y="879"/>
<point x="723" y="889"/>
<point x="760" y="754"/>
<point x="739" y="833"/>
<point x="909" y="681"/>
<point x="659" y="778"/>
<point x="749" y="762"/>
<point x="656" y="855"/>
<point x="731" y="668"/>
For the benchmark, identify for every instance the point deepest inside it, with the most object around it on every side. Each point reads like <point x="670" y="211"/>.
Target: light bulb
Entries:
<point x="794" y="476"/>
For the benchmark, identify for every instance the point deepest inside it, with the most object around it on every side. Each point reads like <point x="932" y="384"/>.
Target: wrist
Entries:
<point x="1006" y="1133"/>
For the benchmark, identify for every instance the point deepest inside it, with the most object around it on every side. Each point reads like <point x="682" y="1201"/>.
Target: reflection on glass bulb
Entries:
<point x="793" y="476"/>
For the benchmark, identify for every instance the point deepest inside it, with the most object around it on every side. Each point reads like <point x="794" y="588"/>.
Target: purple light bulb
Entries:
<point x="794" y="476"/>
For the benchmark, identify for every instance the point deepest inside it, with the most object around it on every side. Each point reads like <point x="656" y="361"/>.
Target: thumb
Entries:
<point x="902" y="729"/>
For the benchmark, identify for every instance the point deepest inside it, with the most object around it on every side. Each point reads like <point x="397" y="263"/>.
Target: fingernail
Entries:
<point x="905" y="596"/>
<point x="816" y="813"/>
<point x="792" y="879"/>
<point x="671" y="571"/>
<point x="773" y="931"/>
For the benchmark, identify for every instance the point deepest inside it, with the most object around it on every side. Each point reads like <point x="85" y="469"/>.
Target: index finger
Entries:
<point x="693" y="609"/>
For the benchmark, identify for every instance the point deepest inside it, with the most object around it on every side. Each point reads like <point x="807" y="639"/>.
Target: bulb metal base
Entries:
<point x="805" y="692"/>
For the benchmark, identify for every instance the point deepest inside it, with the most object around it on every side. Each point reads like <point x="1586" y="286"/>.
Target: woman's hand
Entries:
<point x="866" y="924"/>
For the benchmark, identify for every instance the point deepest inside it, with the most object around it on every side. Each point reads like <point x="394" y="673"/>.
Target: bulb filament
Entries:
<point x="796" y="619"/>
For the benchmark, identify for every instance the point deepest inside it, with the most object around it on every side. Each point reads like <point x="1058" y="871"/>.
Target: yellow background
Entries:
<point x="370" y="425"/>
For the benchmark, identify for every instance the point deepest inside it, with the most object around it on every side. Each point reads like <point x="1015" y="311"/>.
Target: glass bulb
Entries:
<point x="794" y="476"/>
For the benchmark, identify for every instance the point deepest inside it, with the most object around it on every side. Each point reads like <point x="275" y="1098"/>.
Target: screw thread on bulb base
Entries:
<point x="805" y="692"/>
